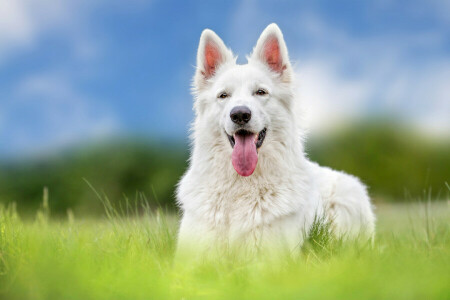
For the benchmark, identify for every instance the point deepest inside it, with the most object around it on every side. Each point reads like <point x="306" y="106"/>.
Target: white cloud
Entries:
<point x="15" y="25"/>
<point x="389" y="79"/>
<point x="327" y="98"/>
<point x="24" y="22"/>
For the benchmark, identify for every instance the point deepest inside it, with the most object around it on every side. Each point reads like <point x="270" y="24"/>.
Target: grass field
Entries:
<point x="124" y="256"/>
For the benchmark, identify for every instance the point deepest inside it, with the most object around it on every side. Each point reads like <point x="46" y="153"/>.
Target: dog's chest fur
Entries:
<point x="228" y="207"/>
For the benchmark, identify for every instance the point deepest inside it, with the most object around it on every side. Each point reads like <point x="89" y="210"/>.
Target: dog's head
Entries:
<point x="245" y="106"/>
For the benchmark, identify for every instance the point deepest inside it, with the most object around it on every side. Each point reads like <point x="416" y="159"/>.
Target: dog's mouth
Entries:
<point x="258" y="142"/>
<point x="245" y="146"/>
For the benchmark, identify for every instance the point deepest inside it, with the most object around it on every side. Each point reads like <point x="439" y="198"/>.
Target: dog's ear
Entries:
<point x="211" y="53"/>
<point x="272" y="51"/>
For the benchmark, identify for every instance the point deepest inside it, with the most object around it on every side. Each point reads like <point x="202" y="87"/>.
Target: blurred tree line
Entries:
<point x="394" y="161"/>
<point x="397" y="164"/>
<point x="120" y="169"/>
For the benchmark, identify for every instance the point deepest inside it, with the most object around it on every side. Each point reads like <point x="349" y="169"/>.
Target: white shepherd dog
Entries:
<point x="249" y="183"/>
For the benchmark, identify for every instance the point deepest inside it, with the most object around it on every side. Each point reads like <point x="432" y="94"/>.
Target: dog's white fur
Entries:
<point x="276" y="205"/>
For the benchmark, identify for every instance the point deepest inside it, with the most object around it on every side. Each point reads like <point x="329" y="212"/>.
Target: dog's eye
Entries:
<point x="223" y="95"/>
<point x="261" y="92"/>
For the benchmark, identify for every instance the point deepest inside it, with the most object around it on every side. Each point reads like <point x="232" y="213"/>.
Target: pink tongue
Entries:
<point x="244" y="157"/>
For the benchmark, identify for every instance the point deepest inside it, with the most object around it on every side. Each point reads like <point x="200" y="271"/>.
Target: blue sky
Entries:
<point x="74" y="71"/>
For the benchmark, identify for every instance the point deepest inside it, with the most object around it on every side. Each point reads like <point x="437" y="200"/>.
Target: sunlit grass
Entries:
<point x="128" y="254"/>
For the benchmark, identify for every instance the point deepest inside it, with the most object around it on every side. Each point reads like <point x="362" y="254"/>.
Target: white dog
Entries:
<point x="249" y="183"/>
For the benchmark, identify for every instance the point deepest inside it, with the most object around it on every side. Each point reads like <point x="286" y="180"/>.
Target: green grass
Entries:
<point x="128" y="255"/>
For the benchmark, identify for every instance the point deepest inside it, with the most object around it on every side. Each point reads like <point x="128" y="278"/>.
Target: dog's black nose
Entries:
<point x="240" y="115"/>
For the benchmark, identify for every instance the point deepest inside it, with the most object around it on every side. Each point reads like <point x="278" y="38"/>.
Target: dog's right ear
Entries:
<point x="211" y="54"/>
<point x="271" y="50"/>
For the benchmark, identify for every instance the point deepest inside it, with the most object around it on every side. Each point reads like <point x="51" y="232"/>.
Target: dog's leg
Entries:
<point x="346" y="203"/>
<point x="195" y="241"/>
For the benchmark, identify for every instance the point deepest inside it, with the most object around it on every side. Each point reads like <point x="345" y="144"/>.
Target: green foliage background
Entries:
<point x="396" y="163"/>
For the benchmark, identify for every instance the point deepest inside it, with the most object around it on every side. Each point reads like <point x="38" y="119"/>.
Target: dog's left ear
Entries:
<point x="272" y="51"/>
